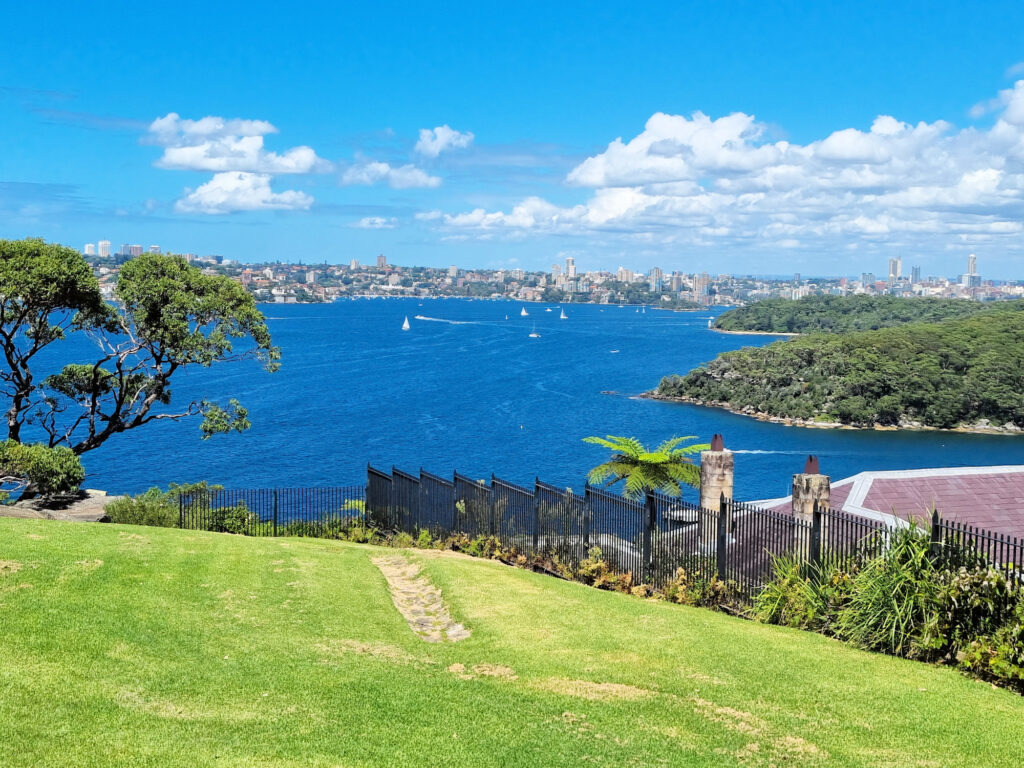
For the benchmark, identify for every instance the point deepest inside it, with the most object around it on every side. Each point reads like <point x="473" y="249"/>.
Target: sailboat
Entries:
<point x="643" y="311"/>
<point x="533" y="333"/>
<point x="524" y="313"/>
<point x="548" y="309"/>
<point x="563" y="316"/>
<point x="405" y="325"/>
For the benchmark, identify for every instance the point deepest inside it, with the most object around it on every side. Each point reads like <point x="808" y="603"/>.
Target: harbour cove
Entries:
<point x="467" y="388"/>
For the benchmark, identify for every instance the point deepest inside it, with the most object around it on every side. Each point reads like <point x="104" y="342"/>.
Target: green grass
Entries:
<point x="144" y="646"/>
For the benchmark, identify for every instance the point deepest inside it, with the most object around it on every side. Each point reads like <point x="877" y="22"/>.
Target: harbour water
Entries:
<point x="467" y="388"/>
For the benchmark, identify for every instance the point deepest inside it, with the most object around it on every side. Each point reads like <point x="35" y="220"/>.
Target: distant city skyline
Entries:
<point x="822" y="143"/>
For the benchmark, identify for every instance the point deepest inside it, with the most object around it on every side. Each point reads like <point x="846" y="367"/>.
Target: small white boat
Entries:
<point x="506" y="317"/>
<point x="524" y="313"/>
<point x="614" y="352"/>
<point x="711" y="323"/>
<point x="548" y="309"/>
<point x="405" y="325"/>
<point x="563" y="316"/>
<point x="533" y="333"/>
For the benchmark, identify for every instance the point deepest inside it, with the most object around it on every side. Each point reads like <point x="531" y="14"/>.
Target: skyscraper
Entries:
<point x="125" y="249"/>
<point x="89" y="249"/>
<point x="135" y="250"/>
<point x="570" y="267"/>
<point x="104" y="247"/>
<point x="915" y="275"/>
<point x="154" y="249"/>
<point x="654" y="278"/>
<point x="972" y="265"/>
<point x="895" y="269"/>
<point x="382" y="261"/>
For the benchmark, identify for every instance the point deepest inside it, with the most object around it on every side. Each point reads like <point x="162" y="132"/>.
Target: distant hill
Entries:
<point x="957" y="372"/>
<point x="839" y="314"/>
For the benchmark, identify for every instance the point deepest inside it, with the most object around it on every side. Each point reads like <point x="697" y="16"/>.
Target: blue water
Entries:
<point x="471" y="391"/>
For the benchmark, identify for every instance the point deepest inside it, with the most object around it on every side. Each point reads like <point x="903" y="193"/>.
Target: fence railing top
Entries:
<point x="372" y="470"/>
<point x="425" y="475"/>
<point x="396" y="472"/>
<point x="496" y="481"/>
<point x="479" y="482"/>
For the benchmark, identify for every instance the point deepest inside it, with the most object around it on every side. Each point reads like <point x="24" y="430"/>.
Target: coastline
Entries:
<point x="809" y="424"/>
<point x="754" y="333"/>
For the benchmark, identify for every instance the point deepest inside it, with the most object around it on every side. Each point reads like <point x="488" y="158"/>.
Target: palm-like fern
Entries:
<point x="667" y="468"/>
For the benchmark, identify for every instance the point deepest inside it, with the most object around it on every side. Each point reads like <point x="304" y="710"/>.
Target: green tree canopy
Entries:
<point x="667" y="468"/>
<point x="168" y="316"/>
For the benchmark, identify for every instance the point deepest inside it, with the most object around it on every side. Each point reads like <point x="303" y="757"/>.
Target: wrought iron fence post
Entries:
<point x="275" y="512"/>
<point x="491" y="506"/>
<point x="720" y="550"/>
<point x="181" y="510"/>
<point x="536" y="516"/>
<point x="814" y="555"/>
<point x="936" y="533"/>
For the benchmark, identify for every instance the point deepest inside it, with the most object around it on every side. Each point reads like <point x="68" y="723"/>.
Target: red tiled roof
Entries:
<point x="991" y="498"/>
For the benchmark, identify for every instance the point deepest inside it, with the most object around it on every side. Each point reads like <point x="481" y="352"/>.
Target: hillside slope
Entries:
<point x="957" y="372"/>
<point x="157" y="647"/>
<point x="841" y="314"/>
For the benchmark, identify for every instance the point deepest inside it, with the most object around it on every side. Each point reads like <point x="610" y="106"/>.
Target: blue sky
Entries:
<point x="763" y="138"/>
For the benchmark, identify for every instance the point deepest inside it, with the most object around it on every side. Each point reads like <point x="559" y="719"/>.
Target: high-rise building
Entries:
<point x="354" y="264"/>
<point x="654" y="278"/>
<point x="125" y="250"/>
<point x="311" y="276"/>
<point x="135" y="250"/>
<point x="89" y="249"/>
<point x="972" y="265"/>
<point x="453" y="271"/>
<point x="676" y="283"/>
<point x="915" y="275"/>
<point x="624" y="275"/>
<point x="867" y="278"/>
<point x="382" y="261"/>
<point x="556" y="270"/>
<point x="570" y="267"/>
<point x="796" y="278"/>
<point x="103" y="248"/>
<point x="154" y="249"/>
<point x="895" y="269"/>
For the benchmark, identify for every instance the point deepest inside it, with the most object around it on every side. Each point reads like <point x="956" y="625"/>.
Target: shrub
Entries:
<point x="999" y="657"/>
<point x="36" y="468"/>
<point x="595" y="571"/>
<point x="402" y="540"/>
<point x="802" y="598"/>
<point x="424" y="539"/>
<point x="893" y="596"/>
<point x="154" y="507"/>
<point x="695" y="589"/>
<point x="969" y="603"/>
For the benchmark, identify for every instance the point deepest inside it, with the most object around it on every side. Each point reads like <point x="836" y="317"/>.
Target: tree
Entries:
<point x="38" y="469"/>
<point x="168" y="317"/>
<point x="667" y="468"/>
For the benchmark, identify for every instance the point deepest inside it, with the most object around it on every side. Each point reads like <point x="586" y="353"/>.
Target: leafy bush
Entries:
<point x="893" y="596"/>
<point x="424" y="540"/>
<point x="154" y="507"/>
<point x="402" y="540"/>
<point x="802" y="598"/>
<point x="597" y="572"/>
<point x="234" y="519"/>
<point x="999" y="657"/>
<point x="40" y="469"/>
<point x="696" y="589"/>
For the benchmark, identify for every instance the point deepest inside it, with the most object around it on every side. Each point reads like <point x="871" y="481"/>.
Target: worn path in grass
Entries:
<point x="151" y="647"/>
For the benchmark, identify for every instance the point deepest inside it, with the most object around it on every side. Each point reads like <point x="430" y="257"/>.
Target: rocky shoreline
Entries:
<point x="754" y="333"/>
<point x="982" y="427"/>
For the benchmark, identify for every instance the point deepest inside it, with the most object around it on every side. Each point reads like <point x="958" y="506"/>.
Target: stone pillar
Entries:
<point x="810" y="487"/>
<point x="716" y="479"/>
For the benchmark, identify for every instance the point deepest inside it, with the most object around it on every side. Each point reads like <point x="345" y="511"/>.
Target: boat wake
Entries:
<point x="450" y="322"/>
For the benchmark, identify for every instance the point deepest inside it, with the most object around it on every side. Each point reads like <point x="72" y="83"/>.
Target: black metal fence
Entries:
<point x="651" y="539"/>
<point x="272" y="511"/>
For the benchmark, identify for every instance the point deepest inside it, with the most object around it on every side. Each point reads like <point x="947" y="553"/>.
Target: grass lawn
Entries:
<point x="153" y="647"/>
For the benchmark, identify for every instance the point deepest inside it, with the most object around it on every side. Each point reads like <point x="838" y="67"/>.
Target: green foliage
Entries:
<point x="803" y="598"/>
<point x="893" y="596"/>
<point x="154" y="507"/>
<point x="958" y="371"/>
<point x="667" y="468"/>
<point x="597" y="572"/>
<point x="841" y="314"/>
<point x="999" y="657"/>
<point x="40" y="469"/>
<point x="402" y="540"/>
<point x="169" y="316"/>
<point x="695" y="588"/>
<point x="969" y="603"/>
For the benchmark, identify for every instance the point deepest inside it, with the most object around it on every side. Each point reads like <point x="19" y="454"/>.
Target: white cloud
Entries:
<point x="433" y="142"/>
<point x="400" y="177"/>
<point x="704" y="181"/>
<point x="376" y="222"/>
<point x="239" y="191"/>
<point x="1016" y="69"/>
<point x="218" y="144"/>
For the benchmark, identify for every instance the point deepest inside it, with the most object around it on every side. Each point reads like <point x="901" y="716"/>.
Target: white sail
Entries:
<point x="405" y="325"/>
<point x="524" y="313"/>
<point x="563" y="316"/>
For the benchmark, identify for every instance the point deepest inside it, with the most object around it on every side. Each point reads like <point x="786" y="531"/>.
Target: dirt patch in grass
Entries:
<point x="585" y="689"/>
<point x="483" y="670"/>
<point x="136" y="700"/>
<point x="9" y="567"/>
<point x="419" y="601"/>
<point x="34" y="537"/>
<point x="380" y="651"/>
<point x="88" y="566"/>
<point x="733" y="719"/>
